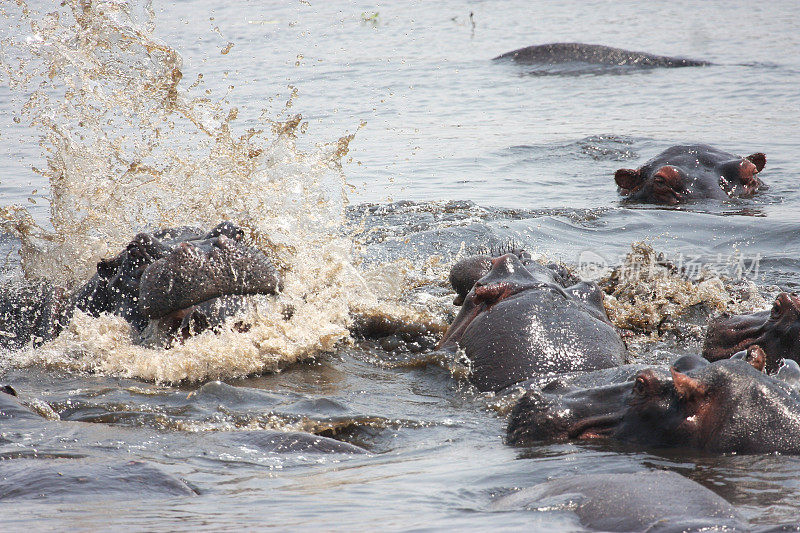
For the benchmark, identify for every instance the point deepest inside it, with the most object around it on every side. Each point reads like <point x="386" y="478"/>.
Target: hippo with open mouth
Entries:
<point x="729" y="406"/>
<point x="692" y="172"/>
<point x="520" y="319"/>
<point x="177" y="282"/>
<point x="776" y="331"/>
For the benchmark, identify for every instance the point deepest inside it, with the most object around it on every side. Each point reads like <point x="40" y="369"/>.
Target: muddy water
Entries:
<point x="138" y="117"/>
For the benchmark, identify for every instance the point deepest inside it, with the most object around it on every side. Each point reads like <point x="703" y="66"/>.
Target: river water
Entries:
<point x="366" y="147"/>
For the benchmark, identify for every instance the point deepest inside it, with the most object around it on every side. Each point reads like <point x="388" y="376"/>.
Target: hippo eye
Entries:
<point x="776" y="309"/>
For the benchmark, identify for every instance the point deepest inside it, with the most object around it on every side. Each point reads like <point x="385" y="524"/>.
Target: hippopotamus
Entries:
<point x="287" y="442"/>
<point x="653" y="501"/>
<point x="520" y="319"/>
<point x="179" y="280"/>
<point x="776" y="331"/>
<point x="78" y="479"/>
<point x="594" y="54"/>
<point x="692" y="172"/>
<point x="728" y="406"/>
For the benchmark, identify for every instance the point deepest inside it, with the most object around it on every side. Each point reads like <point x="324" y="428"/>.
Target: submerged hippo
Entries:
<point x="657" y="501"/>
<point x="180" y="281"/>
<point x="727" y="406"/>
<point x="776" y="331"/>
<point x="692" y="172"/>
<point x="608" y="58"/>
<point x="520" y="319"/>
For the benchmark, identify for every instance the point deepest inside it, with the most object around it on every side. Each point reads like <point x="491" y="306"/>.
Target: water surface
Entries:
<point x="452" y="153"/>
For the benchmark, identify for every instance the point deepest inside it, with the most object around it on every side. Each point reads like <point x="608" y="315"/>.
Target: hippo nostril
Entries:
<point x="492" y="293"/>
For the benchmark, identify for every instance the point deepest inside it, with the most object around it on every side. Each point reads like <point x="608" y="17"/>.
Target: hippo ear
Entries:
<point x="689" y="389"/>
<point x="106" y="268"/>
<point x="757" y="357"/>
<point x="758" y="159"/>
<point x="628" y="179"/>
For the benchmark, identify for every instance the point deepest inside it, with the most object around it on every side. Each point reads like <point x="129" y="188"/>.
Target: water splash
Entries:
<point x="648" y="295"/>
<point x="129" y="148"/>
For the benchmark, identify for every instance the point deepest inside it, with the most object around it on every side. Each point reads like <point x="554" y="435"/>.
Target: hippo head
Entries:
<point x="506" y="277"/>
<point x="519" y="321"/>
<point x="691" y="172"/>
<point x="115" y="287"/>
<point x="776" y="331"/>
<point x="726" y="406"/>
<point x="172" y="275"/>
<point x="466" y="272"/>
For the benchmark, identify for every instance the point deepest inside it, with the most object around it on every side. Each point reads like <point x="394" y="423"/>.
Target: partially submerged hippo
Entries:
<point x="776" y="331"/>
<point x="609" y="58"/>
<point x="12" y="408"/>
<point x="520" y="319"/>
<point x="656" y="501"/>
<point x="692" y="172"/>
<point x="179" y="281"/>
<point x="726" y="406"/>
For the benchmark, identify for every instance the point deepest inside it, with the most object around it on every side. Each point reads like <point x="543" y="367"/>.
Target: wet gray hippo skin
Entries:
<point x="79" y="479"/>
<point x="656" y="501"/>
<point x="726" y="406"/>
<point x="57" y="474"/>
<point x="557" y="53"/>
<point x="691" y="172"/>
<point x="290" y="442"/>
<point x="182" y="279"/>
<point x="519" y="321"/>
<point x="776" y="331"/>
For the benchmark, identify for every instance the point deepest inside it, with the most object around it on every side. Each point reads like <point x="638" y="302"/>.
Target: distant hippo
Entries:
<point x="178" y="281"/>
<point x="656" y="501"/>
<point x="608" y="59"/>
<point x="692" y="172"/>
<point x="726" y="407"/>
<point x="776" y="331"/>
<point x="522" y="319"/>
